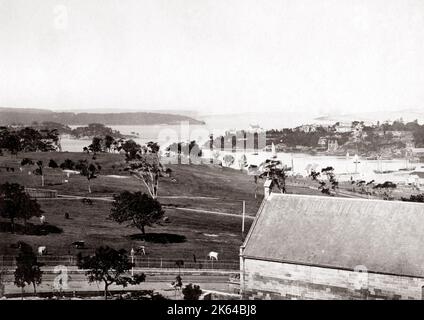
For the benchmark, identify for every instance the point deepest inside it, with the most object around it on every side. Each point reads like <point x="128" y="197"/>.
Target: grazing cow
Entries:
<point x="79" y="244"/>
<point x="42" y="250"/>
<point x="42" y="219"/>
<point x="213" y="255"/>
<point x="87" y="201"/>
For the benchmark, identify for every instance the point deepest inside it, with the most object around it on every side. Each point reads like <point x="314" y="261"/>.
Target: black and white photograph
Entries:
<point x="189" y="150"/>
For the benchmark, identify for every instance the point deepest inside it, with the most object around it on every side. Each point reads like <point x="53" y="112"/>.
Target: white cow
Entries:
<point x="42" y="219"/>
<point x="213" y="255"/>
<point x="42" y="250"/>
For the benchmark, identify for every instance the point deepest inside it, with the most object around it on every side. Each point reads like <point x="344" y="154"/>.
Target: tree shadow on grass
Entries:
<point x="31" y="229"/>
<point x="159" y="237"/>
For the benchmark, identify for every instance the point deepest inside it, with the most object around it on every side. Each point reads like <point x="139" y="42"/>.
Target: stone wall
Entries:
<point x="274" y="280"/>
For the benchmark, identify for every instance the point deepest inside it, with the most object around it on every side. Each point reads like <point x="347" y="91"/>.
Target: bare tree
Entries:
<point x="145" y="166"/>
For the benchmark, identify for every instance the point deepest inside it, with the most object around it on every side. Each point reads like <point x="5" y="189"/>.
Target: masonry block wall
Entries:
<point x="275" y="280"/>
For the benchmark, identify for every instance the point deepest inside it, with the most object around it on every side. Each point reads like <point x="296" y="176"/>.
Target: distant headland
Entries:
<point x="9" y="116"/>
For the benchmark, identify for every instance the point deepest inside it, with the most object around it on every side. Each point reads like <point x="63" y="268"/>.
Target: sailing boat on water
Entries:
<point x="356" y="161"/>
<point x="407" y="167"/>
<point x="273" y="151"/>
<point x="380" y="167"/>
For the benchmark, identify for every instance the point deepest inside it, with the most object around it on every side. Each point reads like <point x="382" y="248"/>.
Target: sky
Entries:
<point x="213" y="56"/>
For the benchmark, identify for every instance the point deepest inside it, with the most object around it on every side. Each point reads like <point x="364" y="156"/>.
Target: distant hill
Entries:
<point x="265" y="120"/>
<point x="10" y="116"/>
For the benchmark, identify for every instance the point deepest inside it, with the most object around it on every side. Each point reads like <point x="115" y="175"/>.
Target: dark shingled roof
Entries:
<point x="384" y="236"/>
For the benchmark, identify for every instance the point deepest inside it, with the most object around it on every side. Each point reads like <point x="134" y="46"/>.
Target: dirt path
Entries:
<point x="110" y="199"/>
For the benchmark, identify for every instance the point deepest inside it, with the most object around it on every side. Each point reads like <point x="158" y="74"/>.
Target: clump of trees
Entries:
<point x="273" y="170"/>
<point x="28" y="271"/>
<point x="95" y="130"/>
<point x="53" y="164"/>
<point x="385" y="190"/>
<point x="28" y="139"/>
<point x="104" y="139"/>
<point x="15" y="204"/>
<point x="137" y="209"/>
<point x="192" y="292"/>
<point x="67" y="164"/>
<point x="295" y="137"/>
<point x="228" y="160"/>
<point x="191" y="150"/>
<point x="109" y="266"/>
<point x="363" y="186"/>
<point x="96" y="145"/>
<point x="39" y="170"/>
<point x="88" y="170"/>
<point x="414" y="198"/>
<point x="327" y="185"/>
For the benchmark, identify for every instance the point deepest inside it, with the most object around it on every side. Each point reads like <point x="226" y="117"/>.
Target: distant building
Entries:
<point x="322" y="142"/>
<point x="317" y="247"/>
<point x="327" y="143"/>
<point x="343" y="128"/>
<point x="307" y="128"/>
<point x="418" y="152"/>
<point x="332" y="145"/>
<point x="416" y="177"/>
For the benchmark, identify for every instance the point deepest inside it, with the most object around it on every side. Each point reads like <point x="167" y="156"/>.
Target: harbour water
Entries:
<point x="344" y="167"/>
<point x="163" y="134"/>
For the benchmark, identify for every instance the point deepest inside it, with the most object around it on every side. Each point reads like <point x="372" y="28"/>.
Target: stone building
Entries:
<point x="332" y="145"/>
<point x="316" y="247"/>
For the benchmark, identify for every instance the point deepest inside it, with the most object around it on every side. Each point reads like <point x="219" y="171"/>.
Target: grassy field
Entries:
<point x="187" y="233"/>
<point x="223" y="188"/>
<point x="205" y="187"/>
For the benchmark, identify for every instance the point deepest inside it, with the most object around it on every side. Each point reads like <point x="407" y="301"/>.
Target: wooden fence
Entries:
<point x="139" y="262"/>
<point x="41" y="193"/>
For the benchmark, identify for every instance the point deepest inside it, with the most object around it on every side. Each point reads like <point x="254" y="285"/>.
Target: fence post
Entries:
<point x="161" y="263"/>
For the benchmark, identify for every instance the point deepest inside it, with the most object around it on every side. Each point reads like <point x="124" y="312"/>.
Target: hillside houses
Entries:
<point x="307" y="128"/>
<point x="343" y="128"/>
<point x="329" y="144"/>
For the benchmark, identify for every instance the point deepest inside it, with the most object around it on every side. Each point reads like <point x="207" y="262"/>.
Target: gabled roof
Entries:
<point x="384" y="236"/>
